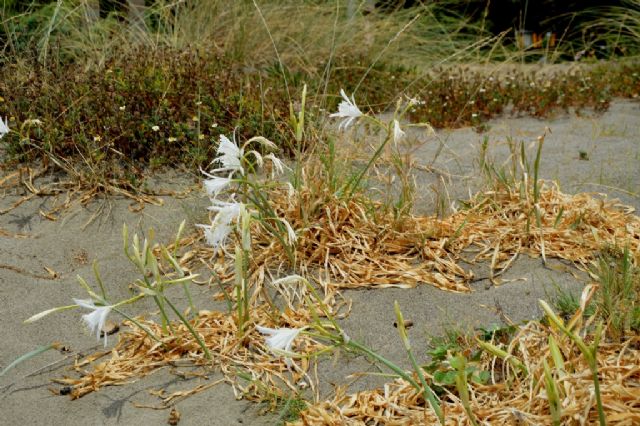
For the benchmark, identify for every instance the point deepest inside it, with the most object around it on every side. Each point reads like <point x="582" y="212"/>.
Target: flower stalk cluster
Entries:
<point x="349" y="112"/>
<point x="234" y="174"/>
<point x="152" y="284"/>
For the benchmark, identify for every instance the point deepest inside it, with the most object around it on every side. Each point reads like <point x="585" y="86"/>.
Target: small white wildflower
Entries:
<point x="278" y="165"/>
<point x="214" y="125"/>
<point x="227" y="211"/>
<point x="230" y="155"/>
<point x="33" y="122"/>
<point x="398" y="133"/>
<point x="347" y="110"/>
<point x="122" y="108"/>
<point x="474" y="115"/>
<point x="215" y="184"/>
<point x="96" y="319"/>
<point x="155" y="128"/>
<point x="97" y="138"/>
<point x="172" y="139"/>
<point x="291" y="234"/>
<point x="280" y="340"/>
<point x="217" y="233"/>
<point x="4" y="127"/>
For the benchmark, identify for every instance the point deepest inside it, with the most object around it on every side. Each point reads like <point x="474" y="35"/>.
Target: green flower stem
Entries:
<point x="164" y="318"/>
<point x="428" y="392"/>
<point x="140" y="326"/>
<point x="393" y="367"/>
<point x="353" y="184"/>
<point x="590" y="353"/>
<point x="191" y="330"/>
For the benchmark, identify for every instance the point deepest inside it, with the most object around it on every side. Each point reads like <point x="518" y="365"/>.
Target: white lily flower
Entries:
<point x="215" y="184"/>
<point x="398" y="133"/>
<point x="217" y="233"/>
<point x="227" y="212"/>
<point x="280" y="340"/>
<point x="278" y="165"/>
<point x="230" y="155"/>
<point x="96" y="319"/>
<point x="347" y="110"/>
<point x="4" y="127"/>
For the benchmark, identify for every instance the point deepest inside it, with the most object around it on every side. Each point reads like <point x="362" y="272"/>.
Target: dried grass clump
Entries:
<point x="343" y="238"/>
<point x="354" y="250"/>
<point x="504" y="223"/>
<point x="507" y="398"/>
<point x="136" y="355"/>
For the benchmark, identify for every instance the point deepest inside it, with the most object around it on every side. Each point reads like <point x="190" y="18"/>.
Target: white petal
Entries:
<point x="216" y="234"/>
<point x="229" y="155"/>
<point x="279" y="339"/>
<point x="278" y="165"/>
<point x="290" y="232"/>
<point x="258" y="157"/>
<point x="347" y="109"/>
<point x="398" y="133"/>
<point x="4" y="127"/>
<point x="215" y="184"/>
<point x="227" y="212"/>
<point x="85" y="303"/>
<point x="94" y="320"/>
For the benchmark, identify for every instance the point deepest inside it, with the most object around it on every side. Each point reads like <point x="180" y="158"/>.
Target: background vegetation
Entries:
<point x="121" y="93"/>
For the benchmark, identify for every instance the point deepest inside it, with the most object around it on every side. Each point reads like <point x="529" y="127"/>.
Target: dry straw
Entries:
<point x="511" y="400"/>
<point x="338" y="240"/>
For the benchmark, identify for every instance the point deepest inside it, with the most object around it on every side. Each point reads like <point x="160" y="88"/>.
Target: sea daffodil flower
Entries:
<point x="216" y="233"/>
<point x="4" y="127"/>
<point x="95" y="320"/>
<point x="230" y="155"/>
<point x="280" y="340"/>
<point x="227" y="212"/>
<point x="347" y="110"/>
<point x="398" y="133"/>
<point x="215" y="184"/>
<point x="278" y="165"/>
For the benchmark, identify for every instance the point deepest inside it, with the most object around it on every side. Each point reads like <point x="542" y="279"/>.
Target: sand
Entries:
<point x="610" y="147"/>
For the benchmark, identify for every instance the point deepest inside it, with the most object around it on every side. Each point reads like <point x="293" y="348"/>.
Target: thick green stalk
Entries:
<point x="427" y="391"/>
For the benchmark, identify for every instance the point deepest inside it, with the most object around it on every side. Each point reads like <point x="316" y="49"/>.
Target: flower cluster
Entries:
<point x="233" y="166"/>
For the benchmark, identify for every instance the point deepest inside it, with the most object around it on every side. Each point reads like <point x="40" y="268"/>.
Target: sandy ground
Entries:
<point x="69" y="245"/>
